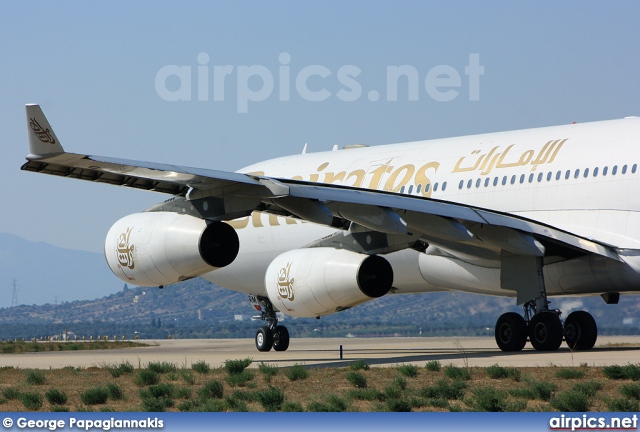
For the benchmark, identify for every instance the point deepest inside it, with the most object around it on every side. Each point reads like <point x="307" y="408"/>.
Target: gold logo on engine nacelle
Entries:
<point x="285" y="283"/>
<point x="124" y="251"/>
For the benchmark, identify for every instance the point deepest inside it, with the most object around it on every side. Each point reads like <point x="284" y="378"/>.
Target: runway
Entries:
<point x="326" y="352"/>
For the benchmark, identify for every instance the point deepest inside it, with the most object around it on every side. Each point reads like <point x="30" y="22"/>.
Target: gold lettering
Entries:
<point x="239" y="223"/>
<point x="378" y="173"/>
<point x="391" y="186"/>
<point x="421" y="176"/>
<point x="331" y="177"/>
<point x="359" y="174"/>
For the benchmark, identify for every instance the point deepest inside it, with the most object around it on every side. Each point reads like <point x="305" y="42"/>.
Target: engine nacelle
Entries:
<point x="161" y="248"/>
<point x="320" y="281"/>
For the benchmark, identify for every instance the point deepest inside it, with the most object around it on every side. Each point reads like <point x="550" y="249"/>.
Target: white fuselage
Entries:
<point x="580" y="178"/>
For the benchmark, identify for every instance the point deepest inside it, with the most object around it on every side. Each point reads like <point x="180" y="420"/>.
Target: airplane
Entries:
<point x="528" y="214"/>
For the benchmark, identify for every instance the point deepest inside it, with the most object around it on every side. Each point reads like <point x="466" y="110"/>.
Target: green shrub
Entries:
<point x="156" y="404"/>
<point x="500" y="372"/>
<point x="292" y="407"/>
<point x="11" y="393"/>
<point x="623" y="405"/>
<point x="365" y="394"/>
<point x="235" y="367"/>
<point x="243" y="395"/>
<point x="433" y="366"/>
<point x="544" y="390"/>
<point x="332" y="403"/>
<point x="157" y="391"/>
<point x="31" y="400"/>
<point x="399" y="382"/>
<point x="398" y="405"/>
<point x="187" y="377"/>
<point x="359" y="365"/>
<point x="297" y="372"/>
<point x="271" y="399"/>
<point x="630" y="371"/>
<point x="201" y="367"/>
<point x="94" y="396"/>
<point x="572" y="373"/>
<point x="268" y="371"/>
<point x="589" y="388"/>
<point x="444" y="389"/>
<point x="236" y="405"/>
<point x="570" y="401"/>
<point x="35" y="377"/>
<point x="410" y="371"/>
<point x="630" y="390"/>
<point x="357" y="380"/>
<point x="56" y="397"/>
<point x="211" y="390"/>
<point x="115" y="391"/>
<point x="146" y="377"/>
<point x="58" y="408"/>
<point x="392" y="391"/>
<point x="120" y="369"/>
<point x="162" y="367"/>
<point x="489" y="399"/>
<point x="241" y="379"/>
<point x="457" y="373"/>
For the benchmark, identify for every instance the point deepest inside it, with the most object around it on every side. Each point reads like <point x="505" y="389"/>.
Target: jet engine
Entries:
<point x="161" y="248"/>
<point x="320" y="281"/>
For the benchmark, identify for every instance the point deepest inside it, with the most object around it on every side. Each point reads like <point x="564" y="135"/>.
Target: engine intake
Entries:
<point x="320" y="281"/>
<point x="161" y="248"/>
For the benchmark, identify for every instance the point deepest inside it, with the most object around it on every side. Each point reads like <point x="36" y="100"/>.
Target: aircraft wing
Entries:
<point x="220" y="195"/>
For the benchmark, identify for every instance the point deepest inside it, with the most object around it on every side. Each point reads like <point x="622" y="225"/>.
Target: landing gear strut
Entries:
<point x="272" y="335"/>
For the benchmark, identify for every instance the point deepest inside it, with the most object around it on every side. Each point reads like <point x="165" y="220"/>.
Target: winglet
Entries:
<point x="43" y="143"/>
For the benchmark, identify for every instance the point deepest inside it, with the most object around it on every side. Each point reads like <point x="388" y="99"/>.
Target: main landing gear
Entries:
<point x="545" y="330"/>
<point x="271" y="335"/>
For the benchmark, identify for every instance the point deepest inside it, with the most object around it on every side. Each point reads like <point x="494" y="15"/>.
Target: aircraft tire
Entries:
<point x="281" y="339"/>
<point x="264" y="339"/>
<point x="511" y="332"/>
<point x="545" y="332"/>
<point x="580" y="331"/>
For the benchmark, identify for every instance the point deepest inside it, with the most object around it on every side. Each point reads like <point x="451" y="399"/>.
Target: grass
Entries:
<point x="571" y="373"/>
<point x="324" y="389"/>
<point x="120" y="369"/>
<point x="500" y="372"/>
<point x="12" y="347"/>
<point x="162" y="367"/>
<point x="35" y="377"/>
<point x="359" y="365"/>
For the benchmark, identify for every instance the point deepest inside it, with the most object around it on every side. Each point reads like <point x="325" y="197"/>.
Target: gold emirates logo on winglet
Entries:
<point x="285" y="283"/>
<point x="43" y="135"/>
<point x="124" y="250"/>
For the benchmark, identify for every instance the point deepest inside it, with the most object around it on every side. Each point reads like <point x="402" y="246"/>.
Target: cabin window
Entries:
<point x="604" y="171"/>
<point x="614" y="171"/>
<point x="558" y="175"/>
<point x="530" y="178"/>
<point x="495" y="181"/>
<point x="624" y="169"/>
<point x="410" y="189"/>
<point x="549" y="174"/>
<point x="418" y="188"/>
<point x="513" y="179"/>
<point x="586" y="173"/>
<point x="522" y="179"/>
<point x="478" y="182"/>
<point x="567" y="175"/>
<point x="427" y="187"/>
<point x="539" y="177"/>
<point x="486" y="182"/>
<point x="576" y="174"/>
<point x="435" y="187"/>
<point x="402" y="190"/>
<point x="459" y="186"/>
<point x="595" y="172"/>
<point x="444" y="186"/>
<point x="504" y="180"/>
<point x="469" y="183"/>
<point x="634" y="168"/>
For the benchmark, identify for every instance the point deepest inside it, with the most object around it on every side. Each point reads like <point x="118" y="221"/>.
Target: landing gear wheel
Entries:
<point x="580" y="331"/>
<point x="545" y="331"/>
<point x="281" y="338"/>
<point x="264" y="339"/>
<point x="511" y="332"/>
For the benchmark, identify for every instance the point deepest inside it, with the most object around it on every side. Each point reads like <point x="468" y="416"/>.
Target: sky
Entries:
<point x="223" y="85"/>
